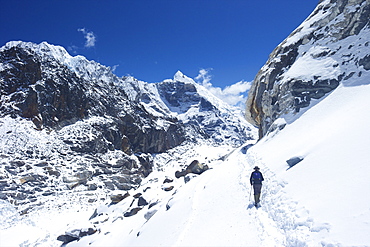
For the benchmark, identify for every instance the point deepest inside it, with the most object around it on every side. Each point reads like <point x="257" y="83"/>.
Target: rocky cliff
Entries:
<point x="44" y="84"/>
<point x="330" y="48"/>
<point x="67" y="123"/>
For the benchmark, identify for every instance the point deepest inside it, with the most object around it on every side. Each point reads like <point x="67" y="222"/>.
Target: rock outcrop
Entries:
<point x="68" y="124"/>
<point x="46" y="85"/>
<point x="331" y="47"/>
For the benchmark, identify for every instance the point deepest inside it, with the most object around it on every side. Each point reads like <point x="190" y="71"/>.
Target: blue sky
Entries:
<point x="220" y="42"/>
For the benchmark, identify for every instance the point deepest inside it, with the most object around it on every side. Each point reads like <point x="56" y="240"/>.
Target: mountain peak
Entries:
<point x="179" y="76"/>
<point x="42" y="48"/>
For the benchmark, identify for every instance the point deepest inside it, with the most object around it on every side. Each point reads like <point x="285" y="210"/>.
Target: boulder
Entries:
<point x="92" y="186"/>
<point x="142" y="202"/>
<point x="119" y="197"/>
<point x="132" y="212"/>
<point x="3" y="196"/>
<point x="26" y="179"/>
<point x="77" y="179"/>
<point x="293" y="161"/>
<point x="137" y="195"/>
<point x="50" y="171"/>
<point x="197" y="168"/>
<point x="67" y="238"/>
<point x="149" y="214"/>
<point x="75" y="235"/>
<point x="168" y="180"/>
<point x="194" y="167"/>
<point x="168" y="188"/>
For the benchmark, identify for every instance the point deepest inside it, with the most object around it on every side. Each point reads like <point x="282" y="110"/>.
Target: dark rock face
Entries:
<point x="327" y="49"/>
<point x="90" y="112"/>
<point x="43" y="89"/>
<point x="70" y="124"/>
<point x="183" y="97"/>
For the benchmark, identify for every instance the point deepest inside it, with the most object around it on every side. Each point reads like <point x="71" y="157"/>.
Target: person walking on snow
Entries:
<point x="256" y="181"/>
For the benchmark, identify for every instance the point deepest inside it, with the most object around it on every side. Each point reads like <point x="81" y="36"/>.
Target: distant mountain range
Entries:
<point x="57" y="109"/>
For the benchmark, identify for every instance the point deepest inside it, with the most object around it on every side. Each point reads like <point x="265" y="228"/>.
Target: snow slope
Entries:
<point x="321" y="201"/>
<point x="208" y="211"/>
<point x="332" y="181"/>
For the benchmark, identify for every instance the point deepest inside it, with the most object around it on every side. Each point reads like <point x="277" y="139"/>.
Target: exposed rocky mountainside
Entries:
<point x="332" y="48"/>
<point x="67" y="122"/>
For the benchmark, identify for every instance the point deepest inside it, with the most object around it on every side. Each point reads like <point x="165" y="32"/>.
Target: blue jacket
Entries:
<point x="253" y="180"/>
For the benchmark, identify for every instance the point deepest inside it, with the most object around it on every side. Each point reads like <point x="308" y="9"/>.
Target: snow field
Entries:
<point x="321" y="201"/>
<point x="332" y="180"/>
<point x="282" y="221"/>
<point x="215" y="209"/>
<point x="43" y="224"/>
<point x="210" y="210"/>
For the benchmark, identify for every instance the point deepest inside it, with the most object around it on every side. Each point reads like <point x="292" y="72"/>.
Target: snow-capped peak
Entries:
<point x="43" y="48"/>
<point x="47" y="52"/>
<point x="180" y="77"/>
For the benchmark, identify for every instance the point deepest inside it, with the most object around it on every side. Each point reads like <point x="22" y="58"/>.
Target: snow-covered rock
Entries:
<point x="331" y="47"/>
<point x="74" y="135"/>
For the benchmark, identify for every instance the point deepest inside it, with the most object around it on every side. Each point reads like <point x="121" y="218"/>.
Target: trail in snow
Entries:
<point x="210" y="210"/>
<point x="282" y="221"/>
<point x="214" y="210"/>
<point x="219" y="209"/>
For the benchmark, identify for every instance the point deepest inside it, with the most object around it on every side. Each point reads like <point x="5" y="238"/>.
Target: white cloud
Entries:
<point x="204" y="77"/>
<point x="89" y="36"/>
<point x="114" y="67"/>
<point x="235" y="94"/>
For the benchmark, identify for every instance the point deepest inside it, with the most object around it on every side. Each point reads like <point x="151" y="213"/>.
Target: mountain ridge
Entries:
<point x="328" y="49"/>
<point x="86" y="127"/>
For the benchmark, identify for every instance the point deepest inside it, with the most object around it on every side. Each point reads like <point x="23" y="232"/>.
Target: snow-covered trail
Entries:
<point x="282" y="220"/>
<point x="210" y="210"/>
<point x="220" y="208"/>
<point x="215" y="209"/>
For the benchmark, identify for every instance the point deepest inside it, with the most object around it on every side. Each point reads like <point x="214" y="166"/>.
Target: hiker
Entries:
<point x="256" y="180"/>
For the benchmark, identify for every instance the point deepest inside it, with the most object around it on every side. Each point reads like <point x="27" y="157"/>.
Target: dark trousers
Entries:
<point x="257" y="188"/>
<point x="257" y="192"/>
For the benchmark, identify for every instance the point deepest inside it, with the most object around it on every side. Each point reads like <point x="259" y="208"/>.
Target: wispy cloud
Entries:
<point x="204" y="77"/>
<point x="235" y="94"/>
<point x="114" y="67"/>
<point x="73" y="49"/>
<point x="89" y="36"/>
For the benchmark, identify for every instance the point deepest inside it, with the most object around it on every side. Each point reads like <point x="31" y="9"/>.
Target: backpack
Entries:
<point x="256" y="176"/>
